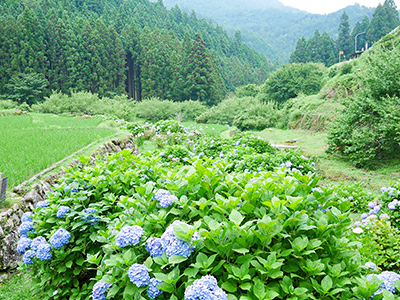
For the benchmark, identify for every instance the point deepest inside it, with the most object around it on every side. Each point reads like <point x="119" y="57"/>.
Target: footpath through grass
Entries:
<point x="32" y="143"/>
<point x="333" y="169"/>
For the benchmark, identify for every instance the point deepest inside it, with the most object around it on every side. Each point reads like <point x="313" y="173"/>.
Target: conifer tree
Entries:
<point x="384" y="20"/>
<point x="359" y="28"/>
<point x="201" y="76"/>
<point x="300" y="53"/>
<point x="344" y="42"/>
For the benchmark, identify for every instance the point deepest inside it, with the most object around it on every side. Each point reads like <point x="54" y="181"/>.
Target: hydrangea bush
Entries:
<point x="139" y="229"/>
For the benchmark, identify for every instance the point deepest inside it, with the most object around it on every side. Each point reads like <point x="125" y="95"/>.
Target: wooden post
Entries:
<point x="3" y="187"/>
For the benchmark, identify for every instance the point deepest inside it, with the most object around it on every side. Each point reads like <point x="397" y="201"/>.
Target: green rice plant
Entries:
<point x="30" y="144"/>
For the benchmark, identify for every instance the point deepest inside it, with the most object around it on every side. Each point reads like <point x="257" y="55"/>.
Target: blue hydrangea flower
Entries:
<point x="23" y="244"/>
<point x="43" y="251"/>
<point x="99" y="290"/>
<point x="372" y="204"/>
<point x="42" y="204"/>
<point x="25" y="227"/>
<point x="165" y="198"/>
<point x="371" y="265"/>
<point x="62" y="210"/>
<point x="37" y="241"/>
<point x="152" y="290"/>
<point x="27" y="217"/>
<point x="139" y="275"/>
<point x="60" y="238"/>
<point x="364" y="216"/>
<point x="129" y="211"/>
<point x="89" y="216"/>
<point x="384" y="216"/>
<point x="129" y="235"/>
<point x="205" y="288"/>
<point x="27" y="258"/>
<point x="389" y="278"/>
<point x="172" y="245"/>
<point x="154" y="247"/>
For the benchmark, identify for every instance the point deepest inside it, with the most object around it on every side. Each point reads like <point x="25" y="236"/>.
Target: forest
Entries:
<point x="323" y="48"/>
<point x="115" y="47"/>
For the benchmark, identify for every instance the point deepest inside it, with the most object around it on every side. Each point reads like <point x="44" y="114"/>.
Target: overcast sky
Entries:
<point x="328" y="6"/>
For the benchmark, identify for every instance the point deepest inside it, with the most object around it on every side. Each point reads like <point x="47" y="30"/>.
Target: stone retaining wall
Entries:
<point x="26" y="201"/>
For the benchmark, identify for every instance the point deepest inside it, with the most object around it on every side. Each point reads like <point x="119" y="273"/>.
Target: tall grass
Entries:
<point x="31" y="143"/>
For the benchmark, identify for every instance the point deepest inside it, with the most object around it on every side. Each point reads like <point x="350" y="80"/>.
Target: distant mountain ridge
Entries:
<point x="269" y="26"/>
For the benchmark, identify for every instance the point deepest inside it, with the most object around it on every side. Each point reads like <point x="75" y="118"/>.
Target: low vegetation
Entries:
<point x="32" y="143"/>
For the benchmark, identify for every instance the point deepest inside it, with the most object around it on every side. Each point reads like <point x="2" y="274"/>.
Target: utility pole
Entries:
<point x="355" y="41"/>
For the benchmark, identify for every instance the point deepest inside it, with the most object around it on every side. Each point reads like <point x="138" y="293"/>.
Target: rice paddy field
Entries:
<point x="32" y="143"/>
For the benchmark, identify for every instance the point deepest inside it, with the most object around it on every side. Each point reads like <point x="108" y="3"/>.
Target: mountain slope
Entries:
<point x="270" y="27"/>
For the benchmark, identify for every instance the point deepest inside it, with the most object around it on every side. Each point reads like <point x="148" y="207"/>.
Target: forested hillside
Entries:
<point x="269" y="26"/>
<point x="323" y="48"/>
<point x="115" y="46"/>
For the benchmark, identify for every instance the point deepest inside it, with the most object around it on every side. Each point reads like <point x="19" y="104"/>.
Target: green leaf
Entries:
<point x="259" y="289"/>
<point x="229" y="286"/>
<point x="113" y="290"/>
<point x="201" y="259"/>
<point x="176" y="259"/>
<point x="326" y="284"/>
<point x="246" y="286"/>
<point x="236" y="217"/>
<point x="68" y="264"/>
<point x="241" y="250"/>
<point x="191" y="273"/>
<point x="269" y="295"/>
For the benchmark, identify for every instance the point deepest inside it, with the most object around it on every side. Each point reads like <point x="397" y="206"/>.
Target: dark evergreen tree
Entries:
<point x="344" y="41"/>
<point x="300" y="53"/>
<point x="201" y="81"/>
<point x="384" y="20"/>
<point x="358" y="29"/>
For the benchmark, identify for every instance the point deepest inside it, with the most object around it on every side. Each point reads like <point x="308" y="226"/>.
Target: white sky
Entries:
<point x="328" y="6"/>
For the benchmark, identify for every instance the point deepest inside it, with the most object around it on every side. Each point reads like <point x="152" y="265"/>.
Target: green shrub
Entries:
<point x="368" y="130"/>
<point x="29" y="88"/>
<point x="8" y="104"/>
<point x="294" y="79"/>
<point x="247" y="113"/>
<point x="345" y="68"/>
<point x="261" y="236"/>
<point x="155" y="109"/>
<point x="190" y="110"/>
<point x="81" y="103"/>
<point x="250" y="90"/>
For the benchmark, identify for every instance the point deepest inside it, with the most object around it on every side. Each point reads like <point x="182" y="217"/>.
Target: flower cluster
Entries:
<point x="152" y="290"/>
<point x="24" y="228"/>
<point x="43" y="251"/>
<point x="165" y="198"/>
<point x="99" y="290"/>
<point x="389" y="278"/>
<point x="23" y="244"/>
<point x="170" y="244"/>
<point x="42" y="204"/>
<point x="392" y="205"/>
<point x="205" y="288"/>
<point x="139" y="275"/>
<point x="62" y="210"/>
<point x="89" y="216"/>
<point x="60" y="238"/>
<point x="154" y="247"/>
<point x="36" y="242"/>
<point x="390" y="191"/>
<point x="39" y="248"/>
<point x="129" y="235"/>
<point x="27" y="258"/>
<point x="27" y="217"/>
